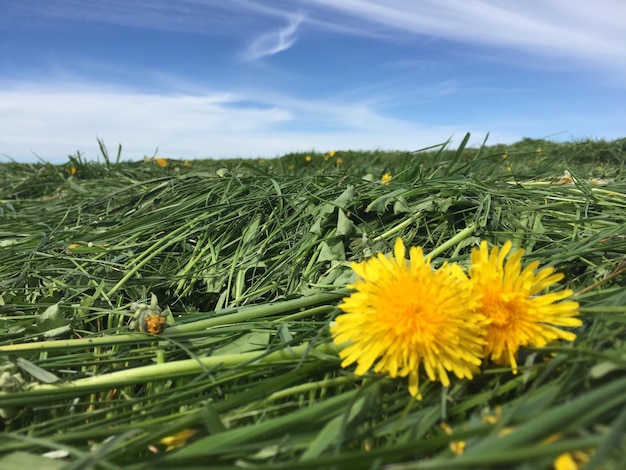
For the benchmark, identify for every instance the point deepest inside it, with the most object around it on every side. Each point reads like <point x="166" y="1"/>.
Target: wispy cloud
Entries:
<point x="567" y="30"/>
<point x="211" y="17"/>
<point x="560" y="29"/>
<point x="273" y="42"/>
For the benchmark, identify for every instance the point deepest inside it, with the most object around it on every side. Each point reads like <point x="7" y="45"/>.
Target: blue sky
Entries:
<point x="245" y="78"/>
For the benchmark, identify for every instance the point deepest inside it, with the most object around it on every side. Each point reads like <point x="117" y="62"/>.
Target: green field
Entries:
<point x="248" y="261"/>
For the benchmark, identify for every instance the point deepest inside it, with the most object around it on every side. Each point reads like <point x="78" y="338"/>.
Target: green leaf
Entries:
<point x="603" y="368"/>
<point x="380" y="204"/>
<point x="21" y="459"/>
<point x="51" y="318"/>
<point x="345" y="198"/>
<point x="346" y="277"/>
<point x="344" y="224"/>
<point x="308" y="417"/>
<point x="58" y="332"/>
<point x="326" y="211"/>
<point x="37" y="372"/>
<point x="333" y="250"/>
<point x="401" y="206"/>
<point x="332" y="431"/>
<point x="253" y="341"/>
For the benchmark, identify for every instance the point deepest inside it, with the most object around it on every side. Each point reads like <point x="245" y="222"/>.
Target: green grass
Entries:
<point x="252" y="258"/>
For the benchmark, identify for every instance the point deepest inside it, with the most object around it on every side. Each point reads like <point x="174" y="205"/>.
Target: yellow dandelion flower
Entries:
<point x="187" y="163"/>
<point x="493" y="418"/>
<point x="571" y="461"/>
<point x="404" y="315"/>
<point x="307" y="159"/>
<point x="567" y="178"/>
<point x="565" y="462"/>
<point x="72" y="170"/>
<point x="457" y="447"/>
<point x="162" y="162"/>
<point x="552" y="438"/>
<point x="510" y="299"/>
<point x="446" y="428"/>
<point x="178" y="440"/>
<point x="386" y="178"/>
<point x="332" y="153"/>
<point x="339" y="161"/>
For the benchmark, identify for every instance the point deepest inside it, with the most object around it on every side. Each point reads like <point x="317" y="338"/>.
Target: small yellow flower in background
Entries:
<point x="457" y="447"/>
<point x="505" y="155"/>
<point x="539" y="150"/>
<point x="187" y="163"/>
<point x="492" y="418"/>
<point x="446" y="428"/>
<point x="599" y="181"/>
<point x="261" y="161"/>
<point x="510" y="299"/>
<point x="307" y="159"/>
<point x="291" y="167"/>
<point x="72" y="170"/>
<point x="565" y="462"/>
<point x="332" y="153"/>
<point x="178" y="440"/>
<point x="404" y="315"/>
<point x="339" y="161"/>
<point x="162" y="162"/>
<point x="72" y="246"/>
<point x="571" y="461"/>
<point x="552" y="438"/>
<point x="386" y="178"/>
<point x="567" y="178"/>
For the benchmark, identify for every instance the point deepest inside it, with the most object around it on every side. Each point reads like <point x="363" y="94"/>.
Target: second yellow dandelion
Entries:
<point x="511" y="299"/>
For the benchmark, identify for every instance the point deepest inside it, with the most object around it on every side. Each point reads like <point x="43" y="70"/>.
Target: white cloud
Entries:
<point x="275" y="41"/>
<point x="54" y="122"/>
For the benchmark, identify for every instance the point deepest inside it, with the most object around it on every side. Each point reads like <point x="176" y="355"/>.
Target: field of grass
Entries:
<point x="244" y="263"/>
